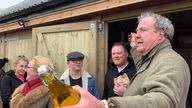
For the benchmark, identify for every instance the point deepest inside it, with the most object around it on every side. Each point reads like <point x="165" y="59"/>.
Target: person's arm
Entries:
<point x="6" y="91"/>
<point x="137" y="58"/>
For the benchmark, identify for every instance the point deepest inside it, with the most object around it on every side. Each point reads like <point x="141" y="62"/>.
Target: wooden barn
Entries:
<point x="53" y="28"/>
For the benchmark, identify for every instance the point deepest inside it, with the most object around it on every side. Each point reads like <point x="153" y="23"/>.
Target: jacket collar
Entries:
<point x="146" y="60"/>
<point x="85" y="76"/>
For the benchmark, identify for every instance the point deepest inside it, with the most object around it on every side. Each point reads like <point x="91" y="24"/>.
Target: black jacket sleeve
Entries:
<point x="6" y="91"/>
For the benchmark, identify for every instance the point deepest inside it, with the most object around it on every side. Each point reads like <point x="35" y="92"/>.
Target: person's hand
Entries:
<point x="132" y="40"/>
<point x="87" y="100"/>
<point x="119" y="89"/>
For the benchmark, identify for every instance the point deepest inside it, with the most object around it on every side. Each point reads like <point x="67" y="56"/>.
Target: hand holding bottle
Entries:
<point x="62" y="94"/>
<point x="87" y="100"/>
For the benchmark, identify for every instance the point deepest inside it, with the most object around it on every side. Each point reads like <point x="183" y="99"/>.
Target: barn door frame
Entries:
<point x="37" y="35"/>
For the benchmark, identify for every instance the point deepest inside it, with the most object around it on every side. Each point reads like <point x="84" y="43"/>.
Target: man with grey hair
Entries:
<point x="163" y="77"/>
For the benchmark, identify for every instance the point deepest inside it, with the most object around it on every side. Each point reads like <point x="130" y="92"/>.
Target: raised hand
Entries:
<point x="132" y="40"/>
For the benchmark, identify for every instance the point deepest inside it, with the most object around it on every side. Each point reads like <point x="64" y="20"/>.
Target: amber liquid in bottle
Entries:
<point x="62" y="94"/>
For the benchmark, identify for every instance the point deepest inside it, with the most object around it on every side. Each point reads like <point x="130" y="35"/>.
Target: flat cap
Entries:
<point x="75" y="56"/>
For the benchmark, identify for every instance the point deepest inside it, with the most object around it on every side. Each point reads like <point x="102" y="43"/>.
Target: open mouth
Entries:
<point x="139" y="43"/>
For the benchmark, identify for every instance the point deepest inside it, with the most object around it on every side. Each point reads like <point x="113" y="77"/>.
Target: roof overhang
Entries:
<point x="102" y="7"/>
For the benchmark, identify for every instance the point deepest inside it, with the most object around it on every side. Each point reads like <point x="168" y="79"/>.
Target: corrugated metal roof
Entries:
<point x="31" y="8"/>
<point x="21" y="6"/>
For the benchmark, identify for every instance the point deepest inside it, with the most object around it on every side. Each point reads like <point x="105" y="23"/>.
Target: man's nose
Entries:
<point x="137" y="35"/>
<point x="78" y="61"/>
<point x="115" y="55"/>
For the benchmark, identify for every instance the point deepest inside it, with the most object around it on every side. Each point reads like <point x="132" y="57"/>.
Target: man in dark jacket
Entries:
<point x="121" y="64"/>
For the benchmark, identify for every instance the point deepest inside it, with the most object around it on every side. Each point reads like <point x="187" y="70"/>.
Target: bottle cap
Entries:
<point x="42" y="69"/>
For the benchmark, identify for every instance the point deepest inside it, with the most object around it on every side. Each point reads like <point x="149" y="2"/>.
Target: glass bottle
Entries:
<point x="62" y="94"/>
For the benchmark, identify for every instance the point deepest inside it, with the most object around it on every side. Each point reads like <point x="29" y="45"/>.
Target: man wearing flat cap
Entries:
<point x="75" y="75"/>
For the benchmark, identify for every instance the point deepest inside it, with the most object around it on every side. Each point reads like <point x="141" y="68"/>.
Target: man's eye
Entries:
<point x="143" y="29"/>
<point x="23" y="66"/>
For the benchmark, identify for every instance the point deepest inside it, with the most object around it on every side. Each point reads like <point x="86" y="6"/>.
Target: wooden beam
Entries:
<point x="101" y="5"/>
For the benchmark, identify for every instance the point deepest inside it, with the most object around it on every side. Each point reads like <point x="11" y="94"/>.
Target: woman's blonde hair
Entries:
<point x="19" y="58"/>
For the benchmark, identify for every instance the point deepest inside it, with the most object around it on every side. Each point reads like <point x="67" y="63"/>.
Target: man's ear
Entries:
<point x="161" y="34"/>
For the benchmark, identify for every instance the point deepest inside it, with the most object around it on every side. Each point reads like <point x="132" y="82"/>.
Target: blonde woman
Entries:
<point x="13" y="79"/>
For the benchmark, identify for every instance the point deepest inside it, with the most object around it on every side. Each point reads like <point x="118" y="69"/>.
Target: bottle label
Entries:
<point x="42" y="69"/>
